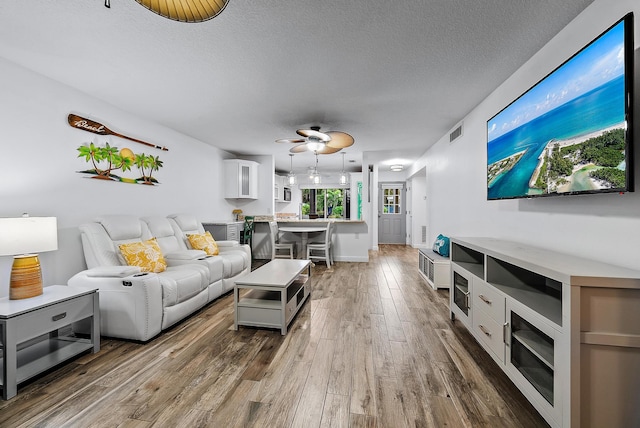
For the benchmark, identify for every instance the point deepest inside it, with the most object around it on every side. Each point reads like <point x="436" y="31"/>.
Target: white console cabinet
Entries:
<point x="566" y="330"/>
<point x="241" y="179"/>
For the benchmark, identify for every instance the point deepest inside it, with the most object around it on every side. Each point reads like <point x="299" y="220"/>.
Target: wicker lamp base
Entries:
<point x="26" y="277"/>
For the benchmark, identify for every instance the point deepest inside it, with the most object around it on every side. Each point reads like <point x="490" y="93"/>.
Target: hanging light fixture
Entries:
<point x="315" y="176"/>
<point x="291" y="175"/>
<point x="344" y="178"/>
<point x="185" y="10"/>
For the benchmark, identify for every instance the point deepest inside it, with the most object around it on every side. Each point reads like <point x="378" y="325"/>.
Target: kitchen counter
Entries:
<point x="350" y="238"/>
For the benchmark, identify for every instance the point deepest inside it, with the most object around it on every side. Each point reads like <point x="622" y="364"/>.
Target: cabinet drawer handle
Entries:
<point x="484" y="330"/>
<point x="484" y="299"/>
<point x="59" y="316"/>
<point x="505" y="334"/>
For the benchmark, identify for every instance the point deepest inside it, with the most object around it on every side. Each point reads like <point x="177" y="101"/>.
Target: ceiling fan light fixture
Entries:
<point x="315" y="144"/>
<point x="396" y="168"/>
<point x="186" y="10"/>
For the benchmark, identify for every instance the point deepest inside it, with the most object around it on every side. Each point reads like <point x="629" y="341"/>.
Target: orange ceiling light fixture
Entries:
<point x="186" y="10"/>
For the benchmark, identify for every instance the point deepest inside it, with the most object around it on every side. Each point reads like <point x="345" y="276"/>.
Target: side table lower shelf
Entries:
<point x="43" y="355"/>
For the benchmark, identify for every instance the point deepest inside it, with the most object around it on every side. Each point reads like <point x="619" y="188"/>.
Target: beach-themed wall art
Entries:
<point x="107" y="162"/>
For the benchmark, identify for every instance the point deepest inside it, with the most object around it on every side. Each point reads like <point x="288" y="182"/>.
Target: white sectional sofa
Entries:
<point x="138" y="305"/>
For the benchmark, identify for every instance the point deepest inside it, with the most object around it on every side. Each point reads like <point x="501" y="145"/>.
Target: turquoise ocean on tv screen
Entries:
<point x="596" y="110"/>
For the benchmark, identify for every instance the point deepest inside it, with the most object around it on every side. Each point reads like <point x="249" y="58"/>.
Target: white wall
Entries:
<point x="604" y="226"/>
<point x="418" y="185"/>
<point x="39" y="162"/>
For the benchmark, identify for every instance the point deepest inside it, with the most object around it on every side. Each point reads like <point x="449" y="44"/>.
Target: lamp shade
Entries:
<point x="23" y="235"/>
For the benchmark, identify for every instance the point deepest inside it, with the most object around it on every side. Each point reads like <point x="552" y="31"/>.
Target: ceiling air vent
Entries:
<point x="456" y="133"/>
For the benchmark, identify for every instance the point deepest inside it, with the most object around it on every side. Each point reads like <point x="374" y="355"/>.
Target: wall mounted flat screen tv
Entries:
<point x="571" y="132"/>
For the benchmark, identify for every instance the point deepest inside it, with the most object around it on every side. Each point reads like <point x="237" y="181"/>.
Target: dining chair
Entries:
<point x="247" y="232"/>
<point x="277" y="245"/>
<point x="322" y="250"/>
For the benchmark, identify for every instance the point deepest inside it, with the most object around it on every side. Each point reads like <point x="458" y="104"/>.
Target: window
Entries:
<point x="391" y="202"/>
<point x="325" y="203"/>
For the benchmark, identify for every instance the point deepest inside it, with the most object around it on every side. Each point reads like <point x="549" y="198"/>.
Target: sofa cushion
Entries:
<point x="180" y="283"/>
<point x="122" y="227"/>
<point x="145" y="254"/>
<point x="161" y="229"/>
<point x="187" y="223"/>
<point x="204" y="242"/>
<point x="233" y="262"/>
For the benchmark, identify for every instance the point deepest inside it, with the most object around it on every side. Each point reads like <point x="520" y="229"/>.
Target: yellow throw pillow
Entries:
<point x="204" y="242"/>
<point x="146" y="255"/>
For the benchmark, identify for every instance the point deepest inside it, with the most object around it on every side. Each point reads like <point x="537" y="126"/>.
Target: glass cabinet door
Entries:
<point x="532" y="353"/>
<point x="461" y="292"/>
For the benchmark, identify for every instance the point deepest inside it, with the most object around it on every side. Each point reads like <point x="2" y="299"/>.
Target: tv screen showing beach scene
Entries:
<point x="571" y="132"/>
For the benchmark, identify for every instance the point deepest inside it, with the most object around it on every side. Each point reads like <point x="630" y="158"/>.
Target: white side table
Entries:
<point x="30" y="334"/>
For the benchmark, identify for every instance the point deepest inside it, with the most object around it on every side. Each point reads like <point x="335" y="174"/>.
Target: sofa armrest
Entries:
<point x="130" y="306"/>
<point x="238" y="247"/>
<point x="185" y="255"/>
<point x="227" y="244"/>
<point x="112" y="271"/>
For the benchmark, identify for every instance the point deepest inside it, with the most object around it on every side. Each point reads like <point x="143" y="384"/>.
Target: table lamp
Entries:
<point x="22" y="237"/>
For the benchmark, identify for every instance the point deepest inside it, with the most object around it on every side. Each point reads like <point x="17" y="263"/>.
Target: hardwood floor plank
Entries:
<point x="342" y="365"/>
<point x="309" y="411"/>
<point x="411" y="389"/>
<point x="362" y="421"/>
<point x="392" y="321"/>
<point x="336" y="412"/>
<point x="237" y="410"/>
<point x="389" y="403"/>
<point x="400" y="303"/>
<point x="362" y="380"/>
<point x="382" y="358"/>
<point x="334" y="317"/>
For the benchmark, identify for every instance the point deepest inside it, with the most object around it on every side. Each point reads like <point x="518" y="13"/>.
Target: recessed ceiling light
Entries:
<point x="396" y="168"/>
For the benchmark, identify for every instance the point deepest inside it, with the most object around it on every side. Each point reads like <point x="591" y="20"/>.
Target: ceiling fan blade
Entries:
<point x="313" y="133"/>
<point x="291" y="140"/>
<point x="326" y="150"/>
<point x="299" y="149"/>
<point x="340" y="139"/>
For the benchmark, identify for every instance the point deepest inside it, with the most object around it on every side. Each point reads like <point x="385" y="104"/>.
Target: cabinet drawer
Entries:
<point x="232" y="233"/>
<point x="489" y="300"/>
<point x="489" y="332"/>
<point x="36" y="323"/>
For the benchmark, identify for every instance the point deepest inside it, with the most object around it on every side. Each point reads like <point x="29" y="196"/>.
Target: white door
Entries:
<point x="392" y="213"/>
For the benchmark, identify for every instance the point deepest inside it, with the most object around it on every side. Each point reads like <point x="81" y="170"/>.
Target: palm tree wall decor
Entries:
<point x="106" y="160"/>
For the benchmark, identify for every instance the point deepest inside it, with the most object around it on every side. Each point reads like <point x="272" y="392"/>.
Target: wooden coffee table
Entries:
<point x="277" y="291"/>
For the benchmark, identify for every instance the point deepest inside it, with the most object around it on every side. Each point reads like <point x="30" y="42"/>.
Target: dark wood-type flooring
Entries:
<point x="373" y="347"/>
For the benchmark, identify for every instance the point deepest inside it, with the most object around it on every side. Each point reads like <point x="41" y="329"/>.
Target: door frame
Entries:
<point x="403" y="208"/>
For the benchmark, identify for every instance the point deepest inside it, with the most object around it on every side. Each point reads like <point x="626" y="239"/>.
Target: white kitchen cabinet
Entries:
<point x="241" y="179"/>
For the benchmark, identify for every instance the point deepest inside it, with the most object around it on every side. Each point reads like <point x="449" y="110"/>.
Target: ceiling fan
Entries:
<point x="322" y="143"/>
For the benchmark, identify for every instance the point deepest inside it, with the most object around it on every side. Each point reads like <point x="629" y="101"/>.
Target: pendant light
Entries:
<point x="344" y="178"/>
<point x="291" y="175"/>
<point x="315" y="176"/>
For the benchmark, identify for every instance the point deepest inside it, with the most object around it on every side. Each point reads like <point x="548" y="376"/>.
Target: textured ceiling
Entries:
<point x="395" y="75"/>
